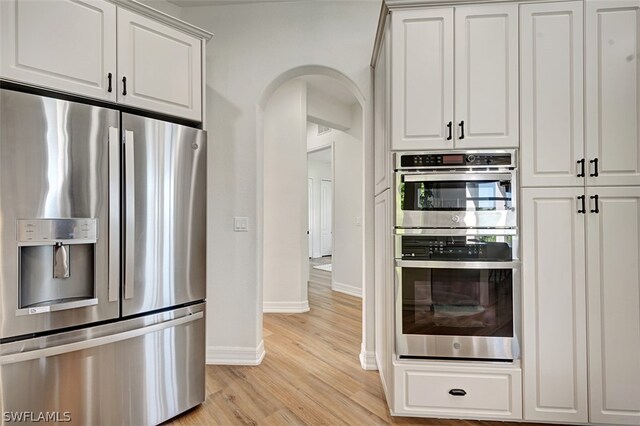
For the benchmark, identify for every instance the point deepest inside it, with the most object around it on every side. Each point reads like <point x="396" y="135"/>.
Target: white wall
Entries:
<point x="326" y="111"/>
<point x="253" y="46"/>
<point x="317" y="171"/>
<point x="347" y="202"/>
<point x="285" y="200"/>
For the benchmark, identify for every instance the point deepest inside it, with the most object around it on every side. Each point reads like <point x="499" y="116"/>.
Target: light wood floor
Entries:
<point x="310" y="376"/>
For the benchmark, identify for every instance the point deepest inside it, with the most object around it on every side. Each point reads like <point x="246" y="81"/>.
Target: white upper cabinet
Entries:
<point x="554" y="308"/>
<point x="422" y="79"/>
<point x="551" y="98"/>
<point x="63" y="45"/>
<point x="425" y="114"/>
<point x="614" y="304"/>
<point x="382" y="163"/>
<point x="161" y="65"/>
<point x="486" y="82"/>
<point x="89" y="48"/>
<point x="613" y="91"/>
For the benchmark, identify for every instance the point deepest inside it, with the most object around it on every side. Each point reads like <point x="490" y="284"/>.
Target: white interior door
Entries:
<point x="326" y="225"/>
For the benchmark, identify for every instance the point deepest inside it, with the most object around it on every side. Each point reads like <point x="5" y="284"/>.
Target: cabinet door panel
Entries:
<point x="382" y="166"/>
<point x="62" y="45"/>
<point x="613" y="90"/>
<point x="422" y="78"/>
<point x="486" y="76"/>
<point x="551" y="100"/>
<point x="384" y="290"/>
<point x="554" y="317"/>
<point x="614" y="305"/>
<point x="162" y="67"/>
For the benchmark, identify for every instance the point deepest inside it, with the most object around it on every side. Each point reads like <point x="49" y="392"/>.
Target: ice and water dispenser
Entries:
<point x="56" y="264"/>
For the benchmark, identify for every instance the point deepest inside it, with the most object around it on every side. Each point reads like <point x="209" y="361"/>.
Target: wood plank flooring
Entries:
<point x="311" y="374"/>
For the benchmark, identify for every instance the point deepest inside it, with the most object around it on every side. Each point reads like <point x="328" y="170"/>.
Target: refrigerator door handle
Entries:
<point x="130" y="215"/>
<point x="98" y="341"/>
<point x="114" y="213"/>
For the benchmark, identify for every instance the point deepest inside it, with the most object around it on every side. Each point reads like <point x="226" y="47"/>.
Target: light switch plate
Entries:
<point x="240" y="224"/>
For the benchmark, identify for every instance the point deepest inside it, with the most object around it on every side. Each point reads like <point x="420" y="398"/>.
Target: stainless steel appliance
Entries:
<point x="456" y="251"/>
<point x="456" y="189"/>
<point x="102" y="263"/>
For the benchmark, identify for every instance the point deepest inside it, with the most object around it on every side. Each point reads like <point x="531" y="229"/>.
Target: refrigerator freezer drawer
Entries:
<point x="143" y="372"/>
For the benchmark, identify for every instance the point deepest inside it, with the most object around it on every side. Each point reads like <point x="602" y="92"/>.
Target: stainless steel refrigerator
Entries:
<point x="102" y="264"/>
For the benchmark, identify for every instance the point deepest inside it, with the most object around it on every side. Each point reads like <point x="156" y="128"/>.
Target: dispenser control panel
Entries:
<point x="52" y="231"/>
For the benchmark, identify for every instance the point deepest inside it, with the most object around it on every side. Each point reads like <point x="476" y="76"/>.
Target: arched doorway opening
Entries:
<point x="283" y="113"/>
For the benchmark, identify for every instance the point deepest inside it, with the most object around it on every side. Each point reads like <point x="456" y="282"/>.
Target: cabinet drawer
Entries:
<point x="487" y="394"/>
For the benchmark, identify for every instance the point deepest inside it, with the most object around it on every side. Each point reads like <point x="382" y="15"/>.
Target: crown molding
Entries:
<point x="169" y="20"/>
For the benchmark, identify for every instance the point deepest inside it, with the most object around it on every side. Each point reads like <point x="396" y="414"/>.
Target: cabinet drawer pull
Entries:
<point x="595" y="165"/>
<point x="457" y="392"/>
<point x="597" y="209"/>
<point x="450" y="128"/>
<point x="581" y="163"/>
<point x="109" y="89"/>
<point x="124" y="86"/>
<point x="461" y="129"/>
<point x="583" y="210"/>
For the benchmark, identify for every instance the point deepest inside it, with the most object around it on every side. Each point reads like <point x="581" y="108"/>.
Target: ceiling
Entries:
<point x="330" y="87"/>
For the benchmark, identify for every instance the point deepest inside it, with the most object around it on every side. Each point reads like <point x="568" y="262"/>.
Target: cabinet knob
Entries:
<point x="457" y="392"/>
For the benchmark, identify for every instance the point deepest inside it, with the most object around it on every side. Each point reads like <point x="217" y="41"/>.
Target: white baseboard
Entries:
<point x="367" y="359"/>
<point x="347" y="289"/>
<point x="285" y="307"/>
<point x="234" y="355"/>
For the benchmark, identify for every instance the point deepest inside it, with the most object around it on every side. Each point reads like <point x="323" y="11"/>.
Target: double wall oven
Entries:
<point x="456" y="255"/>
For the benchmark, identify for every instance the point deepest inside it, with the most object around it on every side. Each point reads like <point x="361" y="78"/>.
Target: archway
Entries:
<point x="366" y="356"/>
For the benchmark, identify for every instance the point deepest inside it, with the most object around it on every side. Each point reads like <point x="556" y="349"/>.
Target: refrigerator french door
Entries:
<point x="164" y="219"/>
<point x="58" y="162"/>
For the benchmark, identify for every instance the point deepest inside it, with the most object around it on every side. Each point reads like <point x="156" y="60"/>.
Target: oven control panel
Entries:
<point x="456" y="248"/>
<point x="455" y="160"/>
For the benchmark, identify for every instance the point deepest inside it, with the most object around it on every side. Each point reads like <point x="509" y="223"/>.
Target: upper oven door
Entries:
<point x="456" y="200"/>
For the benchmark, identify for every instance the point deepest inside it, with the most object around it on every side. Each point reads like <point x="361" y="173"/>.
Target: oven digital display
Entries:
<point x="453" y="159"/>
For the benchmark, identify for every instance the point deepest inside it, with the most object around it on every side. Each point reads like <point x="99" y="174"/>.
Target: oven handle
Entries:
<point x="447" y="177"/>
<point x="446" y="232"/>
<point x="437" y="264"/>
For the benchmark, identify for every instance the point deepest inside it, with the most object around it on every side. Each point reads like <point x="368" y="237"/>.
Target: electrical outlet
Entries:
<point x="240" y="224"/>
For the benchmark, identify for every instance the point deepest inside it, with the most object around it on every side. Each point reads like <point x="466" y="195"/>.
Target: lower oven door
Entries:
<point x="465" y="310"/>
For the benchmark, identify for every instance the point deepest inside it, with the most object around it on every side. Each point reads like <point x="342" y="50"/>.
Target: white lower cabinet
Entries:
<point x="613" y="283"/>
<point x="384" y="291"/>
<point x="581" y="304"/>
<point x="554" y="359"/>
<point x="433" y="389"/>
